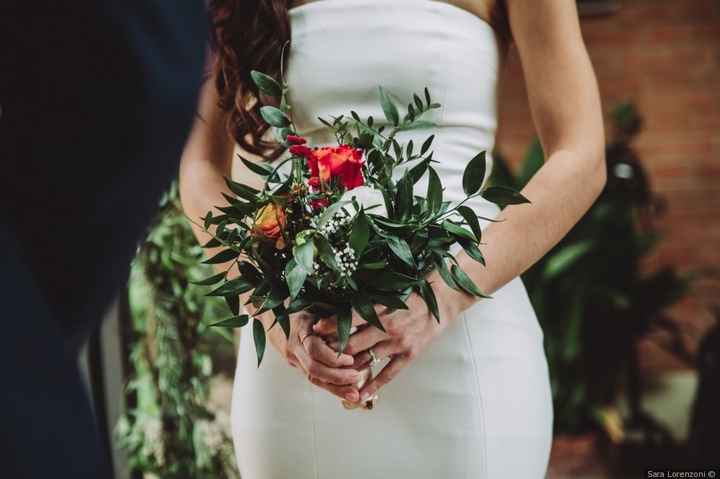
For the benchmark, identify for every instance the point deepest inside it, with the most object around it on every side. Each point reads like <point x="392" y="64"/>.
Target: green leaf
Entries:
<point x="410" y="112"/>
<point x="233" y="287"/>
<point x="409" y="149"/>
<point x="233" y="303"/>
<point x="401" y="249"/>
<point x="213" y="243"/>
<point x="426" y="145"/>
<point x="344" y="324"/>
<point x="464" y="281"/>
<point x="404" y="196"/>
<point x="266" y="84"/>
<point x="304" y="255"/>
<point x="428" y="295"/>
<point x="417" y="125"/>
<point x="389" y="108"/>
<point x="360" y="234"/>
<point x="427" y="96"/>
<point x="259" y="338"/>
<point x="274" y="116"/>
<point x="298" y="304"/>
<point x="392" y="302"/>
<point x="216" y="220"/>
<point x="417" y="171"/>
<point x="472" y="250"/>
<point x="434" y="191"/>
<point x="397" y="149"/>
<point x="503" y="196"/>
<point x="472" y="220"/>
<point x="565" y="258"/>
<point x="295" y="276"/>
<point x="216" y="278"/>
<point x="326" y="253"/>
<point x="362" y="304"/>
<point x="390" y="280"/>
<point x="244" y="191"/>
<point x="474" y="174"/>
<point x="276" y="297"/>
<point x="250" y="273"/>
<point x="222" y="257"/>
<point x="418" y="102"/>
<point x="257" y="168"/>
<point x="281" y="316"/>
<point x="207" y="220"/>
<point x="382" y="264"/>
<point x="457" y="230"/>
<point x="232" y="322"/>
<point x="445" y="272"/>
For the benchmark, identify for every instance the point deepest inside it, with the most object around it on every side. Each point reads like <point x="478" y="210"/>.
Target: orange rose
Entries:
<point x="342" y="162"/>
<point x="269" y="223"/>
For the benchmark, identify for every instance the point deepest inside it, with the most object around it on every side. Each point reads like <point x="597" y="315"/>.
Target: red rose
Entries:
<point x="296" y="140"/>
<point x="301" y="150"/>
<point x="342" y="162"/>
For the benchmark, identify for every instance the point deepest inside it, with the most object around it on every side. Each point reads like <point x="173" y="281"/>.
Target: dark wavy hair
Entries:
<point x="249" y="35"/>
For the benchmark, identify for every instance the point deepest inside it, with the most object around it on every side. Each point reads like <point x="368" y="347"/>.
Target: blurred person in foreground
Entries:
<point x="97" y="98"/>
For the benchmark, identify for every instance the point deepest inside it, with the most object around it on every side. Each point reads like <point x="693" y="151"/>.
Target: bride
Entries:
<point x="469" y="397"/>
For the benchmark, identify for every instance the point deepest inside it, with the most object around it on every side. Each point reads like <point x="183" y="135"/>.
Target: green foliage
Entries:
<point x="330" y="252"/>
<point x="170" y="430"/>
<point x="589" y="292"/>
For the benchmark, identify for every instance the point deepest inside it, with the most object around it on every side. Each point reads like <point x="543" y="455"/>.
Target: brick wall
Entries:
<point x="663" y="55"/>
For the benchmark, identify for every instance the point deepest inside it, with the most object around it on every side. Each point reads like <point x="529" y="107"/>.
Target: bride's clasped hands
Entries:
<point x="311" y="354"/>
<point x="407" y="334"/>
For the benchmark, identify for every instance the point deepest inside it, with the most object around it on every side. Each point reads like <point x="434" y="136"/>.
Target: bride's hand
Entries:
<point x="310" y="353"/>
<point x="408" y="332"/>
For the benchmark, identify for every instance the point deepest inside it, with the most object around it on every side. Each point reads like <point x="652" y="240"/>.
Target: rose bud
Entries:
<point x="296" y="140"/>
<point x="301" y="150"/>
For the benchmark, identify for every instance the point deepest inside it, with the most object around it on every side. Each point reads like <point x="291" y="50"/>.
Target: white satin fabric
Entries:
<point x="476" y="403"/>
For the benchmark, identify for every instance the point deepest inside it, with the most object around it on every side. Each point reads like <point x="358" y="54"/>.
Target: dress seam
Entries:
<point x="314" y="432"/>
<point x="480" y="404"/>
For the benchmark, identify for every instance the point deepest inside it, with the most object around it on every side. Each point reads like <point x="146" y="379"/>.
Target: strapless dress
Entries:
<point x="476" y="403"/>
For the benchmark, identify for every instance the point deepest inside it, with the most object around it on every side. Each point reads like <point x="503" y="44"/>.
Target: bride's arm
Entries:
<point x="565" y="105"/>
<point x="566" y="109"/>
<point x="206" y="162"/>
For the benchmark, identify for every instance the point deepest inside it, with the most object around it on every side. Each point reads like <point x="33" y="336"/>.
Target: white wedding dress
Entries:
<point x="476" y="403"/>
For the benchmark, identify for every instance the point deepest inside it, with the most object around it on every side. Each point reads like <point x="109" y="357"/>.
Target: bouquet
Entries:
<point x="334" y="230"/>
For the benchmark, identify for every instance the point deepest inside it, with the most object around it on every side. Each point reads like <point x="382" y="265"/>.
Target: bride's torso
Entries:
<point x="480" y="392"/>
<point x="342" y="50"/>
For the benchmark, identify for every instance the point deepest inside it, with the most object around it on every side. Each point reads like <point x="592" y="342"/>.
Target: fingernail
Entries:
<point x="351" y="396"/>
<point x="364" y="397"/>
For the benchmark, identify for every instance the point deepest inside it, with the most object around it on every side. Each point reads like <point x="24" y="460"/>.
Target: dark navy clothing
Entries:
<point x="97" y="100"/>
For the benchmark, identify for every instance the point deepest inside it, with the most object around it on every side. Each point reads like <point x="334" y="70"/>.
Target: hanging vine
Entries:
<point x="171" y="429"/>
